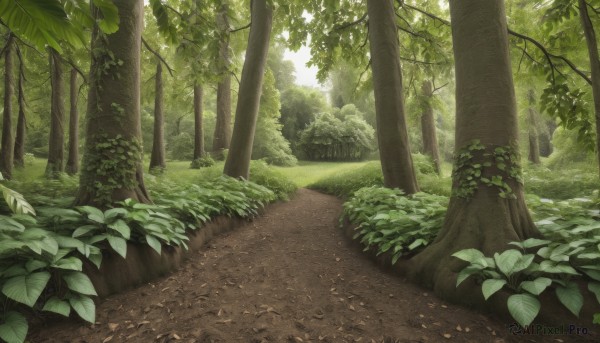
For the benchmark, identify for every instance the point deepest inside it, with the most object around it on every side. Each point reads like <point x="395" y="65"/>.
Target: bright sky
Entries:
<point x="305" y="76"/>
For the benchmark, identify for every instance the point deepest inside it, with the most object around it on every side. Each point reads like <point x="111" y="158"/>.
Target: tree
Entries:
<point x="428" y="130"/>
<point x="222" y="135"/>
<point x="396" y="160"/>
<point x="112" y="161"/>
<point x="299" y="106"/>
<point x="481" y="214"/>
<point x="73" y="159"/>
<point x="56" y="141"/>
<point x="19" y="153"/>
<point x="157" y="159"/>
<point x="198" y="124"/>
<point x="532" y="130"/>
<point x="7" y="147"/>
<point x="246" y="113"/>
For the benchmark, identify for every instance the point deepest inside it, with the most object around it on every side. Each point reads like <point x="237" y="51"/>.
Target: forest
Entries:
<point x="455" y="143"/>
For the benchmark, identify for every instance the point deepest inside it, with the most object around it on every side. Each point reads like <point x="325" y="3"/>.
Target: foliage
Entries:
<point x="264" y="175"/>
<point x="391" y="222"/>
<point x="299" y="107"/>
<point x="181" y="147"/>
<point x="331" y="139"/>
<point x="561" y="183"/>
<point x="205" y="161"/>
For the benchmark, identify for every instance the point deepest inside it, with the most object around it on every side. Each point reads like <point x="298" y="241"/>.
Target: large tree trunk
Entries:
<point x="222" y="136"/>
<point x="396" y="161"/>
<point x="246" y="113"/>
<point x="478" y="215"/>
<point x="157" y="159"/>
<point x="7" y="147"/>
<point x="198" y="129"/>
<point x="428" y="130"/>
<point x="56" y="141"/>
<point x="532" y="130"/>
<point x="592" y="45"/>
<point x="19" y="155"/>
<point x="112" y="161"/>
<point x="73" y="160"/>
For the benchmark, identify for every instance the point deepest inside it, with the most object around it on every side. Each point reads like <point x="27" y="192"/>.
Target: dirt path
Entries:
<point x="289" y="276"/>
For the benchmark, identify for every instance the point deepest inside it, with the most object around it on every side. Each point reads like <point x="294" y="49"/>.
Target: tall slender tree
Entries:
<point x="112" y="161"/>
<point x="396" y="160"/>
<point x="222" y="135"/>
<point x="246" y="113"/>
<point x="19" y="154"/>
<point x="73" y="159"/>
<point x="479" y="215"/>
<point x="7" y="147"/>
<point x="198" y="127"/>
<point x="428" y="130"/>
<point x="157" y="159"/>
<point x="56" y="141"/>
<point x="532" y="130"/>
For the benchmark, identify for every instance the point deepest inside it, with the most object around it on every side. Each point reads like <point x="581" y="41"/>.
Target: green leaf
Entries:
<point x="26" y="289"/>
<point x="491" y="286"/>
<point x="473" y="256"/>
<point x="93" y="213"/>
<point x="530" y="243"/>
<point x="33" y="265"/>
<point x="56" y="305"/>
<point x="523" y="308"/>
<point x="96" y="259"/>
<point x="84" y="230"/>
<point x="594" y="287"/>
<point x="80" y="283"/>
<point x="15" y="201"/>
<point x="507" y="260"/>
<point x="571" y="297"/>
<point x="110" y="16"/>
<point x="466" y="272"/>
<point x="14" y="328"/>
<point x="536" y="286"/>
<point x="84" y="306"/>
<point x="69" y="263"/>
<point x="597" y="318"/>
<point x="154" y="243"/>
<point x="118" y="244"/>
<point x="121" y="227"/>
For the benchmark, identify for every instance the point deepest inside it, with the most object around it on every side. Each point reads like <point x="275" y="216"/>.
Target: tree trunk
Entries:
<point x="157" y="160"/>
<point x="73" y="160"/>
<point x="428" y="130"/>
<point x="479" y="215"/>
<point x="222" y="136"/>
<point x="592" y="45"/>
<point x="198" y="129"/>
<point x="56" y="141"/>
<point x="534" y="146"/>
<point x="396" y="160"/>
<point x="19" y="155"/>
<point x="545" y="138"/>
<point x="112" y="162"/>
<point x="246" y="113"/>
<point x="7" y="147"/>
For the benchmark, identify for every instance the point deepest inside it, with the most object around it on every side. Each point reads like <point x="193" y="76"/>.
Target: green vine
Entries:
<point x="114" y="162"/>
<point x="493" y="166"/>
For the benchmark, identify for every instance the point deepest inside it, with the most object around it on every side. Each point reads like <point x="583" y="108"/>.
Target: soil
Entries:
<point x="288" y="276"/>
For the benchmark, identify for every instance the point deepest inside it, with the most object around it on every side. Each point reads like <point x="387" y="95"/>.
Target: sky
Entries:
<point x="305" y="76"/>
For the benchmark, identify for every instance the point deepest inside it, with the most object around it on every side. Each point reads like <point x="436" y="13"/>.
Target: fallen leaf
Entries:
<point x="447" y="335"/>
<point x="176" y="336"/>
<point x="467" y="329"/>
<point x="112" y="326"/>
<point x="107" y="339"/>
<point x="458" y="328"/>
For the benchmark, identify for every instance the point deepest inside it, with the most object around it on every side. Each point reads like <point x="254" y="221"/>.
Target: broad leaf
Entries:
<point x="154" y="243"/>
<point x="466" y="272"/>
<point x="110" y="15"/>
<point x="14" y="327"/>
<point x="571" y="297"/>
<point x="491" y="286"/>
<point x="507" y="260"/>
<point x="84" y="306"/>
<point x="523" y="308"/>
<point x="121" y="227"/>
<point x="15" y="201"/>
<point x="26" y="289"/>
<point x="536" y="286"/>
<point x="56" y="305"/>
<point x="594" y="287"/>
<point x="118" y="244"/>
<point x="80" y="283"/>
<point x="93" y="213"/>
<point x="473" y="256"/>
<point x="69" y="263"/>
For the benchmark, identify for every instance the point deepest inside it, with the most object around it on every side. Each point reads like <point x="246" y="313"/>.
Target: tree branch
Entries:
<point x="241" y="28"/>
<point x="158" y="56"/>
<point x="349" y="24"/>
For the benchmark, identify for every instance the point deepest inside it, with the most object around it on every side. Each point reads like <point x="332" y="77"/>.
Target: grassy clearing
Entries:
<point x="306" y="173"/>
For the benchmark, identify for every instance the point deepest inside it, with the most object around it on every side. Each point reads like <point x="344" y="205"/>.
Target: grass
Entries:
<point x="307" y="173"/>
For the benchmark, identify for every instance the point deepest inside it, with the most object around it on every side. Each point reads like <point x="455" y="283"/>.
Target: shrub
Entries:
<point x="562" y="183"/>
<point x="181" y="147"/>
<point x="203" y="162"/>
<point x="266" y="176"/>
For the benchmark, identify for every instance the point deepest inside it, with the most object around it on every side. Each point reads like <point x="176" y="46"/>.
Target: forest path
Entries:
<point x="288" y="276"/>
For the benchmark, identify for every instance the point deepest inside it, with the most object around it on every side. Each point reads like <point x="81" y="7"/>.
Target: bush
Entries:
<point x="266" y="176"/>
<point x="562" y="183"/>
<point x="203" y="162"/>
<point x="181" y="147"/>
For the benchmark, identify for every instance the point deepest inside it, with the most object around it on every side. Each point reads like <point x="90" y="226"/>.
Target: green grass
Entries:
<point x="307" y="173"/>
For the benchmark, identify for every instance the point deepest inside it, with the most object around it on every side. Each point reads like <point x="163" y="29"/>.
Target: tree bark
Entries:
<point x="19" y="153"/>
<point x="112" y="162"/>
<point x="396" y="160"/>
<point x="428" y="130"/>
<point x="222" y="135"/>
<point x="534" y="145"/>
<point x="7" y="147"/>
<point x="592" y="45"/>
<point x="157" y="159"/>
<point x="56" y="142"/>
<point x="198" y="127"/>
<point x="485" y="112"/>
<point x="73" y="160"/>
<point x="238" y="160"/>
